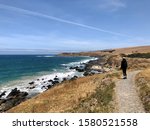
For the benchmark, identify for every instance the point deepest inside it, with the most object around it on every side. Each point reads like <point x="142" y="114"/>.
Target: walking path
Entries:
<point x="127" y="98"/>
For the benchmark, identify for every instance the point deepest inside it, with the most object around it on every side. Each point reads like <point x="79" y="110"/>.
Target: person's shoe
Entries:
<point x="124" y="77"/>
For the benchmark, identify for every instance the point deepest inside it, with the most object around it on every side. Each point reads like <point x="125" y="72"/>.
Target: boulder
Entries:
<point x="2" y="101"/>
<point x="88" y="73"/>
<point x="64" y="79"/>
<point x="74" y="77"/>
<point x="80" y="69"/>
<point x="9" y="104"/>
<point x="14" y="98"/>
<point x="31" y="83"/>
<point x="49" y="86"/>
<point x="55" y="82"/>
<point x="42" y="87"/>
<point x="14" y="92"/>
<point x="32" y="87"/>
<point x="56" y="78"/>
<point x="72" y="67"/>
<point x="50" y="80"/>
<point x="2" y="94"/>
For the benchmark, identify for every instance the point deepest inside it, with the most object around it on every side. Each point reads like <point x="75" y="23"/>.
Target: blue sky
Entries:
<point x="48" y="26"/>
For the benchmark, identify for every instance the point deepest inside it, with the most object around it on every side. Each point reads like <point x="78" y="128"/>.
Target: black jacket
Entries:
<point x="124" y="64"/>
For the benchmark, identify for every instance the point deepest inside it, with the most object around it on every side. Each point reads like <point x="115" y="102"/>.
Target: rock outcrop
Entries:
<point x="14" y="98"/>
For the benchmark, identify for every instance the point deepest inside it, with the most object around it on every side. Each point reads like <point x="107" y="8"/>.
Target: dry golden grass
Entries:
<point x="100" y="101"/>
<point x="143" y="85"/>
<point x="133" y="63"/>
<point x="62" y="97"/>
<point x="138" y="63"/>
<point x="129" y="50"/>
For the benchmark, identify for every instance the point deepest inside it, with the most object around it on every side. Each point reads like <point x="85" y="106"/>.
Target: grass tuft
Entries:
<point x="143" y="85"/>
<point x="102" y="100"/>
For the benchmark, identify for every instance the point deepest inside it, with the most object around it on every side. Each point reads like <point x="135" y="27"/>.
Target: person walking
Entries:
<point x="124" y="66"/>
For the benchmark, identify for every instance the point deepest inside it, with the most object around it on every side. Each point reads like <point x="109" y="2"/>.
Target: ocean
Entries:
<point x="16" y="71"/>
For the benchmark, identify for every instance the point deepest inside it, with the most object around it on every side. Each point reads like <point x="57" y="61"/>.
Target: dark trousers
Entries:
<point x="124" y="72"/>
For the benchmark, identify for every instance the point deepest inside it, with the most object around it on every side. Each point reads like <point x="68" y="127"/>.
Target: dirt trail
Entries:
<point x="127" y="98"/>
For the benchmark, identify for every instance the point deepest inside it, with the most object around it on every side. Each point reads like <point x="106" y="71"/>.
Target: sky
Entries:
<point x="53" y="26"/>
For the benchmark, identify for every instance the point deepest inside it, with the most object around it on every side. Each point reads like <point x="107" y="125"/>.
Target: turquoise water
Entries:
<point x="13" y="67"/>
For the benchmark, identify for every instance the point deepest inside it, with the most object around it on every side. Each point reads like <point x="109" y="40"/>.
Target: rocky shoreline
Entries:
<point x="17" y="96"/>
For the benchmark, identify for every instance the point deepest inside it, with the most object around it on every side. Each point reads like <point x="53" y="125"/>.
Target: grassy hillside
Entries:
<point x="92" y="93"/>
<point x="88" y="94"/>
<point x="117" y="51"/>
<point x="139" y="55"/>
<point x="143" y="85"/>
<point x="66" y="96"/>
<point x="102" y="100"/>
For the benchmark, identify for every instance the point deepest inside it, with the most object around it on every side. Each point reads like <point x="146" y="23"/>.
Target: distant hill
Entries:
<point x="129" y="50"/>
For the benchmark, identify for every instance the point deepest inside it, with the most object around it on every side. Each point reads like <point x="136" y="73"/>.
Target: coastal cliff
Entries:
<point x="92" y="93"/>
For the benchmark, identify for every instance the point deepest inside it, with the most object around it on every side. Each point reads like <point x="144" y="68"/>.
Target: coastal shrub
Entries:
<point x="143" y="85"/>
<point x="123" y="55"/>
<point x="138" y="63"/>
<point x="139" y="55"/>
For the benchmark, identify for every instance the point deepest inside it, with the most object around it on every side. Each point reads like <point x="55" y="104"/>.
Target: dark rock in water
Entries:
<point x="64" y="79"/>
<point x="80" y="69"/>
<point x="13" y="92"/>
<point x="31" y="83"/>
<point x="3" y="93"/>
<point x="71" y="68"/>
<point x="42" y="79"/>
<point x="55" y="82"/>
<point x="23" y="94"/>
<point x="50" y="80"/>
<point x="38" y="79"/>
<point x="56" y="78"/>
<point x="42" y="87"/>
<point x="88" y="73"/>
<point x="76" y="67"/>
<point x="31" y="87"/>
<point x="14" y="98"/>
<point x="74" y="77"/>
<point x="49" y="86"/>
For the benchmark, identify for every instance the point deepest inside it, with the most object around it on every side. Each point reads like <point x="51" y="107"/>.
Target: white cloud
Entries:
<point x="50" y="42"/>
<point x="112" y="5"/>
<point x="45" y="41"/>
<point x="54" y="43"/>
